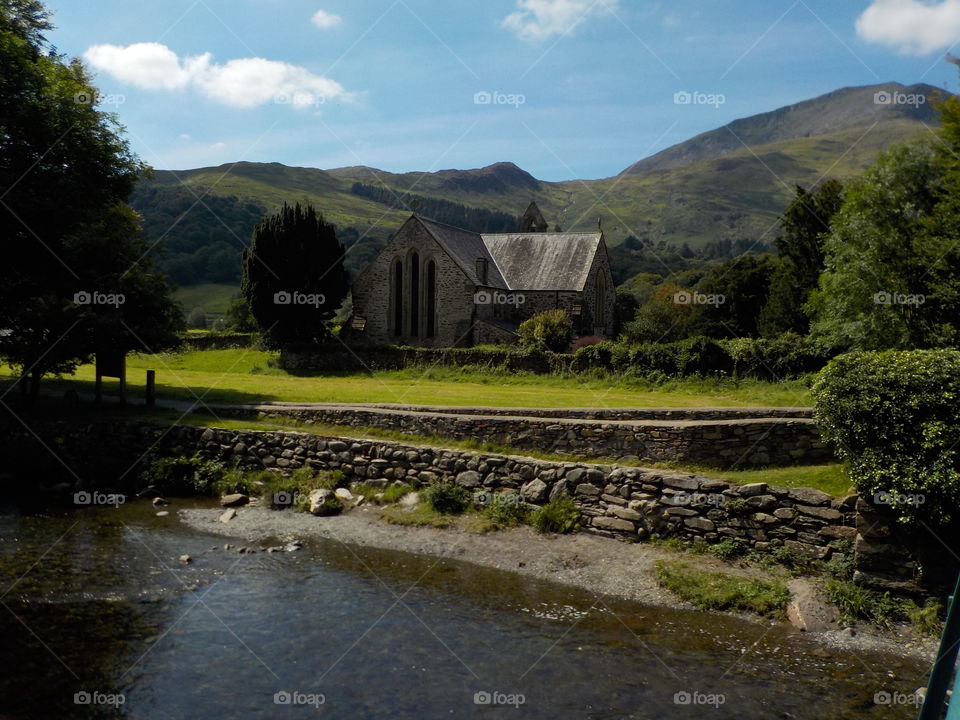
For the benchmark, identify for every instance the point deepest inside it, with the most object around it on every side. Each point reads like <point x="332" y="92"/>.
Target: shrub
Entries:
<point x="892" y="416"/>
<point x="183" y="475"/>
<point x="729" y="548"/>
<point x="549" y="330"/>
<point x="446" y="498"/>
<point x="506" y="510"/>
<point x="557" y="516"/>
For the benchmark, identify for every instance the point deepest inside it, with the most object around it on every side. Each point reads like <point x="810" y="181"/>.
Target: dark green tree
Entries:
<point x="730" y="296"/>
<point x="293" y="276"/>
<point x="72" y="280"/>
<point x="803" y="226"/>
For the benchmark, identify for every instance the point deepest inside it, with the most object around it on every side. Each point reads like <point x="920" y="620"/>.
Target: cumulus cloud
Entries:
<point x="323" y="20"/>
<point x="537" y="20"/>
<point x="911" y="26"/>
<point x="241" y="83"/>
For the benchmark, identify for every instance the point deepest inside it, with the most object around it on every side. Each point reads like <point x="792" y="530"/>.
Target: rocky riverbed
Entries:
<point x="600" y="565"/>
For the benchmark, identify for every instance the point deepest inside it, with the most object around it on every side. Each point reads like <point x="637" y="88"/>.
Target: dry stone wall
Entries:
<point x="627" y="503"/>
<point x="741" y="442"/>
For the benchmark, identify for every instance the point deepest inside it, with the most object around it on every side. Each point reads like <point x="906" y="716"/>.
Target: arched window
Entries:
<point x="397" y="298"/>
<point x="601" y="303"/>
<point x="414" y="295"/>
<point x="431" y="299"/>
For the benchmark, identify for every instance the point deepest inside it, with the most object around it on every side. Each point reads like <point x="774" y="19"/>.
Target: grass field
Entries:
<point x="211" y="297"/>
<point x="245" y="375"/>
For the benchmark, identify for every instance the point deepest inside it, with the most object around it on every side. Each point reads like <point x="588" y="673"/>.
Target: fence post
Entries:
<point x="151" y="388"/>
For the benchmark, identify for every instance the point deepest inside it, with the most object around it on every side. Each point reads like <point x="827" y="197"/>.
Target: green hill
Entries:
<point x="725" y="188"/>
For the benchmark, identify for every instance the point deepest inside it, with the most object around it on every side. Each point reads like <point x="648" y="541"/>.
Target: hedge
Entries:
<point x="893" y="416"/>
<point x="776" y="359"/>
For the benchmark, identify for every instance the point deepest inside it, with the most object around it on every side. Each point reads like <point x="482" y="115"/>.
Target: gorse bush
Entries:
<point x="892" y="416"/>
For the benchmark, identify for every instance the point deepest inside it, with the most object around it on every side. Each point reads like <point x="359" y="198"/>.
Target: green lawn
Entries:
<point x="244" y="375"/>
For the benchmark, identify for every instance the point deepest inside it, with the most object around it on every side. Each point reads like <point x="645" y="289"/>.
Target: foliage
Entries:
<point x="66" y="171"/>
<point x="238" y="316"/>
<point x="803" y="226"/>
<point x="892" y="416"/>
<point x="446" y="497"/>
<point x="293" y="276"/>
<point x="197" y="319"/>
<point x="395" y="492"/>
<point x="890" y="277"/>
<point x="729" y="549"/>
<point x="855" y="602"/>
<point x="739" y="288"/>
<point x="506" y="510"/>
<point x="549" y="330"/>
<point x="182" y="475"/>
<point x="560" y="515"/>
<point x="714" y="590"/>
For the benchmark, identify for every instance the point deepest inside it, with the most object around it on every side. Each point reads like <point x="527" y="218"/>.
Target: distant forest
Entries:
<point x="201" y="242"/>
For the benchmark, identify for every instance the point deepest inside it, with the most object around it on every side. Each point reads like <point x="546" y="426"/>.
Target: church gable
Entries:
<point x="532" y="220"/>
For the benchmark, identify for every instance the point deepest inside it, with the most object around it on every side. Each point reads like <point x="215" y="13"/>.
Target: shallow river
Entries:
<point x="99" y="618"/>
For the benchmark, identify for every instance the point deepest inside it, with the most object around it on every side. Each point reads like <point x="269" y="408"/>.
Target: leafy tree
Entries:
<point x="665" y="317"/>
<point x="548" y="330"/>
<point x="803" y="226"/>
<point x="293" y="276"/>
<point x="69" y="241"/>
<point x="881" y="259"/>
<point x="238" y="316"/>
<point x="731" y="295"/>
<point x="197" y="319"/>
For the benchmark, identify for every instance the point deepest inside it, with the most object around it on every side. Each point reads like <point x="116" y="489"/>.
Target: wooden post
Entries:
<point x="123" y="379"/>
<point x="151" y="388"/>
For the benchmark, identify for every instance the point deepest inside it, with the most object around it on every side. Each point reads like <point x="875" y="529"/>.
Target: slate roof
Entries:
<point x="520" y="261"/>
<point x="465" y="248"/>
<point x="544" y="261"/>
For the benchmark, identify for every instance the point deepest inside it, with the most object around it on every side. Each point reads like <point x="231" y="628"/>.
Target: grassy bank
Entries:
<point x="245" y="375"/>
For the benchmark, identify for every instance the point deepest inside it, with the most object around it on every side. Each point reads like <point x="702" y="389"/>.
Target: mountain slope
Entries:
<point x="729" y="184"/>
<point x="838" y="111"/>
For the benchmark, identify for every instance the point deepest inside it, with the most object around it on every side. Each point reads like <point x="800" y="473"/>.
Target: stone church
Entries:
<point x="435" y="285"/>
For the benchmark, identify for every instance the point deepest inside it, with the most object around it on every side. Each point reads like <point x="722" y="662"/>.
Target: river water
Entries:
<point x="99" y="618"/>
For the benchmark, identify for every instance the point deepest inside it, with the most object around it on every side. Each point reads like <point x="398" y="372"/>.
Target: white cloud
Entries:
<point x="537" y="20"/>
<point x="150" y="66"/>
<point x="241" y="83"/>
<point x="218" y="146"/>
<point x="323" y="20"/>
<point x="185" y="136"/>
<point x="911" y="26"/>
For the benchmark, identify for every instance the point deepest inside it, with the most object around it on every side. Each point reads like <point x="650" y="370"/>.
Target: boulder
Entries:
<point x="227" y="515"/>
<point x="234" y="500"/>
<point x="534" y="491"/>
<point x="323" y="502"/>
<point x="469" y="479"/>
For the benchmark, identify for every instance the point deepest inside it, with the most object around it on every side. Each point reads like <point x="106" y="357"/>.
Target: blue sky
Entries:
<point x="564" y="88"/>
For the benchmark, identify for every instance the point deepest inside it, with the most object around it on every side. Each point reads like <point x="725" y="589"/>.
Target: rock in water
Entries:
<point x="159" y="501"/>
<point x="186" y="559"/>
<point x="234" y="500"/>
<point x="162" y="513"/>
<point x="227" y="515"/>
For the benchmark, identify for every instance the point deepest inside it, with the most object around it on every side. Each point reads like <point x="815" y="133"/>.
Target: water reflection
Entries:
<point x="97" y="600"/>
